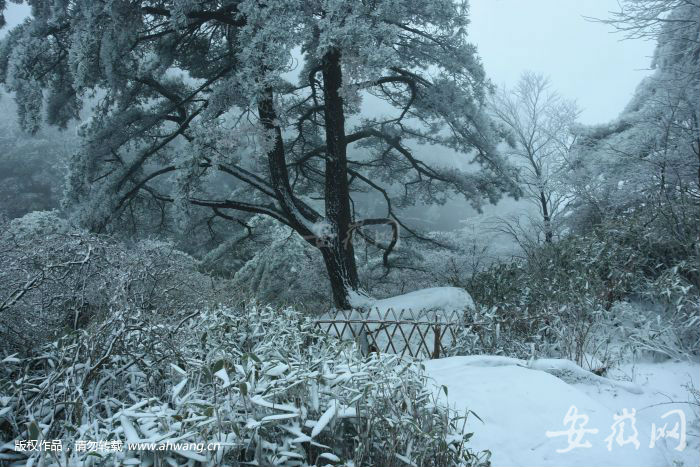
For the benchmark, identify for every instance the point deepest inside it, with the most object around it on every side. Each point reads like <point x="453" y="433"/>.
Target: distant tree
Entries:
<point x="32" y="168"/>
<point x="675" y="25"/>
<point x="193" y="90"/>
<point x="541" y="125"/>
<point x="650" y="19"/>
<point x="646" y="163"/>
<point x="653" y="148"/>
<point x="2" y="10"/>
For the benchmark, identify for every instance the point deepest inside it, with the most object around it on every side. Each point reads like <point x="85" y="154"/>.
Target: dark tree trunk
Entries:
<point x="341" y="273"/>
<point x="338" y="254"/>
<point x="279" y="176"/>
<point x="548" y="235"/>
<point x="335" y="245"/>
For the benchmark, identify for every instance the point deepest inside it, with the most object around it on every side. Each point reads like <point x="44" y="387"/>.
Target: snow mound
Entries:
<point x="571" y="373"/>
<point x="520" y="404"/>
<point x="445" y="299"/>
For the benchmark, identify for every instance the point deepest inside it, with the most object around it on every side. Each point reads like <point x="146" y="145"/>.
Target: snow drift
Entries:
<point x="520" y="402"/>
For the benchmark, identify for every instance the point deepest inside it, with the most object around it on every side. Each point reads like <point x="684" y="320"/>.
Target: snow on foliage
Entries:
<point x="55" y="279"/>
<point x="286" y="270"/>
<point x="194" y="91"/>
<point x="258" y="379"/>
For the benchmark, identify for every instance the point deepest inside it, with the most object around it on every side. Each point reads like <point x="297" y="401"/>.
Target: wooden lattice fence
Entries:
<point x="420" y="334"/>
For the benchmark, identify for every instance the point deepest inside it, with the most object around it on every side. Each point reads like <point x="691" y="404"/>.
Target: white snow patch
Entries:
<point x="130" y="432"/>
<point x="277" y="370"/>
<point x="358" y="300"/>
<point x="258" y="400"/>
<point x="330" y="456"/>
<point x="321" y="228"/>
<point x="326" y="418"/>
<point x="223" y="376"/>
<point x="519" y="404"/>
<point x="178" y="388"/>
<point x="570" y="372"/>
<point x="446" y="299"/>
<point x="178" y="369"/>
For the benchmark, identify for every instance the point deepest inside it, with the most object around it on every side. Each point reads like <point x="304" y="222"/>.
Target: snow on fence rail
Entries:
<point x="418" y="334"/>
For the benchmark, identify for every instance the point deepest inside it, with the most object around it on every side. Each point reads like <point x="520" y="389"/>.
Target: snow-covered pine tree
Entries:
<point x="648" y="159"/>
<point x="644" y="166"/>
<point x="190" y="91"/>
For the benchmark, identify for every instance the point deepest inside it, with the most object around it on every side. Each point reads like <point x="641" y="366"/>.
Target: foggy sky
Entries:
<point x="584" y="59"/>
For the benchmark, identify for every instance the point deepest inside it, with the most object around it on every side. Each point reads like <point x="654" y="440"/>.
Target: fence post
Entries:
<point x="363" y="341"/>
<point x="436" y="345"/>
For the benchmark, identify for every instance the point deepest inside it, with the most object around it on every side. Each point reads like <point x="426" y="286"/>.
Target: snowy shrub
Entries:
<point x="563" y="300"/>
<point x="285" y="270"/>
<point x="655" y="331"/>
<point x="680" y="302"/>
<point x="521" y="311"/>
<point x="259" y="381"/>
<point x="694" y="401"/>
<point x="55" y="279"/>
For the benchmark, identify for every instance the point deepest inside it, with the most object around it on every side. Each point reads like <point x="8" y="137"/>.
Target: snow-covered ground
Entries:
<point x="520" y="402"/>
<point x="550" y="412"/>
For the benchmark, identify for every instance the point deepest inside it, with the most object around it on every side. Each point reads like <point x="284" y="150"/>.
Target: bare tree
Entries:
<point x="540" y="123"/>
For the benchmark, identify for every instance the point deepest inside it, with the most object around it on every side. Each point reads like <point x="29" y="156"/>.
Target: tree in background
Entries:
<point x="674" y="87"/>
<point x="540" y="123"/>
<point x="645" y="165"/>
<point x="650" y="155"/>
<point x="629" y="259"/>
<point x="2" y="10"/>
<point x="32" y="170"/>
<point x="192" y="91"/>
